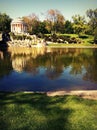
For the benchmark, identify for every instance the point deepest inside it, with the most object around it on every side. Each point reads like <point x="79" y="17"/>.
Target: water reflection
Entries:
<point x="91" y="68"/>
<point x="45" y="69"/>
<point x="5" y="63"/>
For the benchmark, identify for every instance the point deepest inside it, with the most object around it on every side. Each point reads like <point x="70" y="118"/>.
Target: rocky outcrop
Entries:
<point x="26" y="43"/>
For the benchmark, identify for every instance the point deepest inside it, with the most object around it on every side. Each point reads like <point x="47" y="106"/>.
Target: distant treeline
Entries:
<point x="55" y="22"/>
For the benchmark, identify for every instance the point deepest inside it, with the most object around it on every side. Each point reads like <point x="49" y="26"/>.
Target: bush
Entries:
<point x="19" y="37"/>
<point x="40" y="35"/>
<point x="95" y="36"/>
<point x="83" y="36"/>
<point x="54" y="38"/>
<point x="61" y="38"/>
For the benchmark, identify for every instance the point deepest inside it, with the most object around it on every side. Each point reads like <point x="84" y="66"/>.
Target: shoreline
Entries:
<point x="87" y="94"/>
<point x="22" y="44"/>
<point x="95" y="46"/>
<point x="73" y="46"/>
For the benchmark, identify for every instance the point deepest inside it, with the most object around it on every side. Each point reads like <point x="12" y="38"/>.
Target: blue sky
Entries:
<point x="19" y="8"/>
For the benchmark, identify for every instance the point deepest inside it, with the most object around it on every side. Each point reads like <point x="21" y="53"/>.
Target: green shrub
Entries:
<point x="95" y="36"/>
<point x="19" y="37"/>
<point x="83" y="36"/>
<point x="61" y="38"/>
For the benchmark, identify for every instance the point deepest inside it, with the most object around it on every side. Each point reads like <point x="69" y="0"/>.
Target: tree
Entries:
<point x="95" y="35"/>
<point x="55" y="20"/>
<point x="32" y="22"/>
<point x="92" y="14"/>
<point x="48" y="26"/>
<point x="5" y="21"/>
<point x="68" y="28"/>
<point x="42" y="27"/>
<point x="79" y="24"/>
<point x="28" y="22"/>
<point x="59" y="24"/>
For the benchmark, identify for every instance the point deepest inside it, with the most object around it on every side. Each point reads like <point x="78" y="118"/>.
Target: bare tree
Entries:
<point x="31" y="21"/>
<point x="55" y="19"/>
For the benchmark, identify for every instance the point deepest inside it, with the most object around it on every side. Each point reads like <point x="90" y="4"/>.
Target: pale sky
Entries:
<point x="19" y="8"/>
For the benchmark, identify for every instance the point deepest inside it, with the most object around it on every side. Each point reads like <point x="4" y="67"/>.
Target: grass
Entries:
<point x="34" y="111"/>
<point x="86" y="42"/>
<point x="71" y="35"/>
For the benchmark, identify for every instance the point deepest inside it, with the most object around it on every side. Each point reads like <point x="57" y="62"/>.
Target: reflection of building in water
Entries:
<point x="18" y="26"/>
<point x="18" y="63"/>
<point x="33" y="52"/>
<point x="20" y="56"/>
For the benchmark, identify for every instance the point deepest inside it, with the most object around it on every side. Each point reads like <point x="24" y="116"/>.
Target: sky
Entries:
<point x="68" y="8"/>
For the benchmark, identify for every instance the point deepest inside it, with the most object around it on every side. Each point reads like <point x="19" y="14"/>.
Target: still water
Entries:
<point x="48" y="69"/>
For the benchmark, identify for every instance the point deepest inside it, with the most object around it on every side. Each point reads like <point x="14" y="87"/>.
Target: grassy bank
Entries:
<point x="27" y="111"/>
<point x="85" y="40"/>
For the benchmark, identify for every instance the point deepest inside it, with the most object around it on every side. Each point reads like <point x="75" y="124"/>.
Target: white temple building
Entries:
<point x="18" y="26"/>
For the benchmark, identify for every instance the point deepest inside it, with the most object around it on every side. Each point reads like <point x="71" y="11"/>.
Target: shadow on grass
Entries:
<point x="33" y="111"/>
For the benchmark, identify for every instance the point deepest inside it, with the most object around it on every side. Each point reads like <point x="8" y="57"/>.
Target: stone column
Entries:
<point x="22" y="27"/>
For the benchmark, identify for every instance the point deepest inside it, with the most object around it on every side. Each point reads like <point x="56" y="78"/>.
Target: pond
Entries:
<point x="48" y="69"/>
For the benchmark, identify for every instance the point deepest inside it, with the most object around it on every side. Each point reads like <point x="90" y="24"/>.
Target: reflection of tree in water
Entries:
<point x="77" y="64"/>
<point x="55" y="69"/>
<point x="31" y="67"/>
<point x="54" y="61"/>
<point x="53" y="73"/>
<point x="91" y="68"/>
<point x="5" y="63"/>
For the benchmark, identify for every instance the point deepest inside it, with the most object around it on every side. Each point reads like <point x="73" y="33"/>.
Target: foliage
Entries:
<point x="19" y="37"/>
<point x="5" y="21"/>
<point x="32" y="22"/>
<point x="68" y="27"/>
<point x="55" y="23"/>
<point x="62" y="38"/>
<point x="79" y="24"/>
<point x="55" y="20"/>
<point x="42" y="28"/>
<point x="95" y="35"/>
<point x="92" y="14"/>
<point x="83" y="36"/>
<point x="88" y="30"/>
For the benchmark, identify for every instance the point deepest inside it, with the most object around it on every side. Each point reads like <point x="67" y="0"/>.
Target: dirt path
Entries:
<point x="88" y="94"/>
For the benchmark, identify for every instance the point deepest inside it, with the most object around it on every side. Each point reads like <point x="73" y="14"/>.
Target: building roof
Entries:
<point x="18" y="20"/>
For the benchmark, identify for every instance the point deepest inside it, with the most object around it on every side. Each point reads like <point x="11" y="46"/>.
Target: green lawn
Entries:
<point x="32" y="111"/>
<point x="86" y="44"/>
